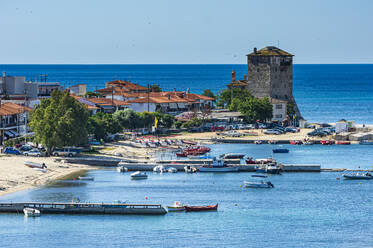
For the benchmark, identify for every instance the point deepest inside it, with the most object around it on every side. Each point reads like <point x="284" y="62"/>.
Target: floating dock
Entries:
<point x="85" y="208"/>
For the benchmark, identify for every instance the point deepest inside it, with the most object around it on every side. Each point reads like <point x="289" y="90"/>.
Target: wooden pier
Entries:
<point x="85" y="208"/>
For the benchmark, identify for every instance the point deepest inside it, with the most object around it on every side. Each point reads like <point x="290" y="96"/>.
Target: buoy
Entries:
<point x="146" y="198"/>
<point x="361" y="183"/>
<point x="240" y="186"/>
<point x="235" y="204"/>
<point x="338" y="178"/>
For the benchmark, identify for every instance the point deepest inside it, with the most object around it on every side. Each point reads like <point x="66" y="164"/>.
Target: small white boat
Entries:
<point x="171" y="169"/>
<point x="190" y="169"/>
<point x="218" y="166"/>
<point x="358" y="176"/>
<point x="259" y="184"/>
<point x="159" y="169"/>
<point x="366" y="142"/>
<point x="139" y="175"/>
<point x="35" y="165"/>
<point x="176" y="207"/>
<point x="85" y="178"/>
<point x="31" y="212"/>
<point x="122" y="169"/>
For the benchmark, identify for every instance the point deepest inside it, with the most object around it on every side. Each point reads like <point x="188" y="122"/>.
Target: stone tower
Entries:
<point x="270" y="74"/>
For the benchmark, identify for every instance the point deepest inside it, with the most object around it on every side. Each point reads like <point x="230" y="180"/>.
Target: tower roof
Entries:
<point x="269" y="51"/>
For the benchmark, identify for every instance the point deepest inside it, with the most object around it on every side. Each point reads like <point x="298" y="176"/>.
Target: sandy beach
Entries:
<point x="15" y="176"/>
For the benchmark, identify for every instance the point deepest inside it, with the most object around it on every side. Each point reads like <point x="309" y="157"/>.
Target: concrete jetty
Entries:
<point x="85" y="208"/>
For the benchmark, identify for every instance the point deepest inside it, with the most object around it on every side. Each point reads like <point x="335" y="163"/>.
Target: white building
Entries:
<point x="279" y="109"/>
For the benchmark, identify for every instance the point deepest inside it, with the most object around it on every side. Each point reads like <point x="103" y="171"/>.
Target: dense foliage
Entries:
<point x="155" y="88"/>
<point x="129" y="119"/>
<point x="225" y="96"/>
<point x="60" y="121"/>
<point x="102" y="124"/>
<point x="209" y="93"/>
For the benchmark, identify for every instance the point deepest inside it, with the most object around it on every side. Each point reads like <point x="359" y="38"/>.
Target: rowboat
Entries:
<point x="358" y="176"/>
<point x="138" y="175"/>
<point x="295" y="142"/>
<point x="121" y="169"/>
<point x="258" y="142"/>
<point x="343" y="142"/>
<point x="176" y="207"/>
<point x="201" y="208"/>
<point x="35" y="165"/>
<point x="259" y="184"/>
<point x="86" y="178"/>
<point x="31" y="212"/>
<point x="327" y="142"/>
<point x="159" y="169"/>
<point x="190" y="169"/>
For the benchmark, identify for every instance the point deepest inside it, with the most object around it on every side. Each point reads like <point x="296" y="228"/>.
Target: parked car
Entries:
<point x="33" y="152"/>
<point x="271" y="131"/>
<point x="217" y="128"/>
<point x="195" y="130"/>
<point x="291" y="130"/>
<point x="233" y="134"/>
<point x="11" y="150"/>
<point x="317" y="133"/>
<point x="25" y="148"/>
<point x="64" y="152"/>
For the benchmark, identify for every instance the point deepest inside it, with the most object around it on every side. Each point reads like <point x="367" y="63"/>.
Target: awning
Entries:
<point x="9" y="134"/>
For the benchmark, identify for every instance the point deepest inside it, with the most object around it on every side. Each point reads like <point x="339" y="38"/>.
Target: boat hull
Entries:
<point x="175" y="209"/>
<point x="354" y="177"/>
<point x="201" y="208"/>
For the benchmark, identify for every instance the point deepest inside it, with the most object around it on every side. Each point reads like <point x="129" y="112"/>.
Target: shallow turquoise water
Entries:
<point x="303" y="210"/>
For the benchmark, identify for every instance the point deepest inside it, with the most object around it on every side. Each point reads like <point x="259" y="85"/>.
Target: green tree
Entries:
<point x="254" y="109"/>
<point x="102" y="124"/>
<point x="128" y="119"/>
<point x="225" y="96"/>
<point x="147" y="119"/>
<point x="164" y="120"/>
<point x="60" y="121"/>
<point x="155" y="88"/>
<point x="209" y="93"/>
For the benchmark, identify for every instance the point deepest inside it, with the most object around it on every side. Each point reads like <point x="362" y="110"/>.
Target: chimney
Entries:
<point x="255" y="51"/>
<point x="233" y="76"/>
<point x="245" y="77"/>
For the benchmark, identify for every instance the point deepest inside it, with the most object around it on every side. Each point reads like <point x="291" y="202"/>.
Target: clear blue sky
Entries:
<point x="183" y="31"/>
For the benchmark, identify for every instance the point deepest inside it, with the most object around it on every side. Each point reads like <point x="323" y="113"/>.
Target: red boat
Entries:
<point x="181" y="154"/>
<point x="296" y="142"/>
<point x="343" y="143"/>
<point x="327" y="142"/>
<point x="201" y="208"/>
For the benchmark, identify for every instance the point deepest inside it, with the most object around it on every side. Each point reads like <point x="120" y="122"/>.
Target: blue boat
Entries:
<point x="280" y="150"/>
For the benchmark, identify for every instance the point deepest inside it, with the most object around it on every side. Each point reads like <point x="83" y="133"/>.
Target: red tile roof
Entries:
<point x="10" y="108"/>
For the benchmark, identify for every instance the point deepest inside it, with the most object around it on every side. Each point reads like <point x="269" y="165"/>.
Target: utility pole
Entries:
<point x="148" y="96"/>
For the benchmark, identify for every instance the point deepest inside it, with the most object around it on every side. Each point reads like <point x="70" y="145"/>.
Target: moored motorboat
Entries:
<point x="307" y="143"/>
<point x="139" y="175"/>
<point x="31" y="212"/>
<point x="258" y="142"/>
<point x="122" y="169"/>
<point x="295" y="142"/>
<point x="280" y="150"/>
<point x="177" y="207"/>
<point x="270" y="168"/>
<point x="358" y="176"/>
<point x="190" y="169"/>
<point x="201" y="208"/>
<point x="159" y="169"/>
<point x="366" y="142"/>
<point x="260" y="184"/>
<point x="327" y="142"/>
<point x="171" y="169"/>
<point x="218" y="166"/>
<point x="232" y="156"/>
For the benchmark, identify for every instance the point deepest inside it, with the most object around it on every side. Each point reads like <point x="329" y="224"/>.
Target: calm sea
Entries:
<point x="303" y="210"/>
<point x="324" y="93"/>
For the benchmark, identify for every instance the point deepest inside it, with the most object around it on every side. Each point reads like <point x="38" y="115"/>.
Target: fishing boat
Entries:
<point x="232" y="156"/>
<point x="272" y="168"/>
<point x="258" y="142"/>
<point x="295" y="142"/>
<point x="31" y="212"/>
<point x="171" y="169"/>
<point x="201" y="208"/>
<point x="159" y="169"/>
<point x="280" y="150"/>
<point x="35" y="165"/>
<point x="307" y="143"/>
<point x="85" y="178"/>
<point x="122" y="169"/>
<point x="272" y="142"/>
<point x="177" y="207"/>
<point x="138" y="175"/>
<point x="190" y="169"/>
<point x="366" y="142"/>
<point x="218" y="166"/>
<point x="327" y="142"/>
<point x="343" y="142"/>
<point x="358" y="176"/>
<point x="260" y="184"/>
